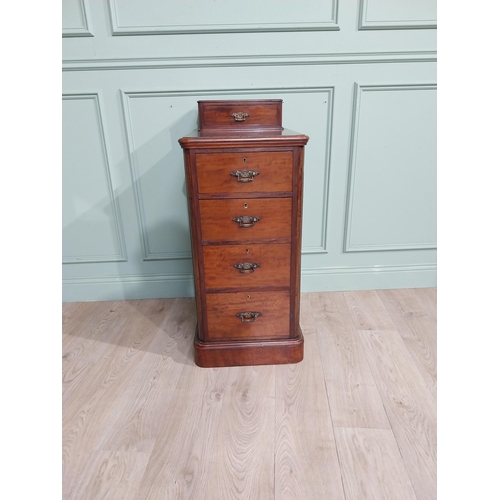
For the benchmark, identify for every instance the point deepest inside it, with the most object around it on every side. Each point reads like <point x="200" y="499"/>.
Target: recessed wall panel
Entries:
<point x="91" y="226"/>
<point x="75" y="18"/>
<point x="155" y="121"/>
<point x="398" y="14"/>
<point x="392" y="188"/>
<point x="317" y="124"/>
<point x="193" y="16"/>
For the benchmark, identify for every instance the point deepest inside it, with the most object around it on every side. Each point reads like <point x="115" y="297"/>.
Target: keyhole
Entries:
<point x="244" y="160"/>
<point x="245" y="205"/>
<point x="247" y="250"/>
<point x="248" y="297"/>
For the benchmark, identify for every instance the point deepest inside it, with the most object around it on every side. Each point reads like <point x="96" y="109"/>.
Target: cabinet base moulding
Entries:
<point x="244" y="353"/>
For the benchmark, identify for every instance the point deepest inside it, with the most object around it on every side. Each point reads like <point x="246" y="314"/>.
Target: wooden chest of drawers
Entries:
<point x="244" y="182"/>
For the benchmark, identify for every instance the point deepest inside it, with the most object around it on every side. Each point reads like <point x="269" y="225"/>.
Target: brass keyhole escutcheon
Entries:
<point x="244" y="160"/>
<point x="248" y="297"/>
<point x="245" y="205"/>
<point x="247" y="250"/>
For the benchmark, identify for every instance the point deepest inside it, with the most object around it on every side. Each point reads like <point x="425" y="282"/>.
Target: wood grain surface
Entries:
<point x="87" y="408"/>
<point x="354" y="398"/>
<point x="417" y="326"/>
<point x="259" y="115"/>
<point x="181" y="460"/>
<point x="409" y="404"/>
<point x="367" y="311"/>
<point x="80" y="321"/>
<point x="372" y="466"/>
<point x="306" y="463"/>
<point x="408" y="401"/>
<point x="136" y="419"/>
<point x="142" y="421"/>
<point x="274" y="168"/>
<point x="243" y="457"/>
<point x="273" y="320"/>
<point x="217" y="224"/>
<point x="273" y="270"/>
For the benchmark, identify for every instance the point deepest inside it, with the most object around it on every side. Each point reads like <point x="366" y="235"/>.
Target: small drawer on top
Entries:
<point x="264" y="172"/>
<point x="248" y="315"/>
<point x="246" y="219"/>
<point x="259" y="114"/>
<point x="242" y="266"/>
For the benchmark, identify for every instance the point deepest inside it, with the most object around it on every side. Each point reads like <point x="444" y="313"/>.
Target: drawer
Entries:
<point x="232" y="172"/>
<point x="270" y="318"/>
<point x="269" y="265"/>
<point x="240" y="115"/>
<point x="256" y="218"/>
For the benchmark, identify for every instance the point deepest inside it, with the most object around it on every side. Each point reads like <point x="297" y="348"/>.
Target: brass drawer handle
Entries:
<point x="246" y="267"/>
<point x="245" y="175"/>
<point x="240" y="117"/>
<point x="248" y="317"/>
<point x="246" y="220"/>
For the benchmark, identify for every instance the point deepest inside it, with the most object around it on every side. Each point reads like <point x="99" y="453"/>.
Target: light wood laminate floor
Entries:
<point x="355" y="420"/>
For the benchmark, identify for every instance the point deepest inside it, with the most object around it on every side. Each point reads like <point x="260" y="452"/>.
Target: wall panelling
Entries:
<point x="358" y="77"/>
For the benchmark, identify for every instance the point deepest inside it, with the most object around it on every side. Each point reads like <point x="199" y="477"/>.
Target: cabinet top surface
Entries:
<point x="224" y="138"/>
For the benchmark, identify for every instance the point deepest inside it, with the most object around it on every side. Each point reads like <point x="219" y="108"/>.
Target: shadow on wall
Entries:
<point x="139" y="234"/>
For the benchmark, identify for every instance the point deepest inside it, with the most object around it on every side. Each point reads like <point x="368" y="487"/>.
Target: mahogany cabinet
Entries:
<point x="244" y="176"/>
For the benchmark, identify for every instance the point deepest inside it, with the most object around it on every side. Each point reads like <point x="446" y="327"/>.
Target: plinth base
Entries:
<point x="248" y="353"/>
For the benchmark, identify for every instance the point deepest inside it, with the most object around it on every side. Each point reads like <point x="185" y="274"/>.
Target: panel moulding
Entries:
<point x="126" y="95"/>
<point x="124" y="30"/>
<point x="351" y="171"/>
<point x="248" y="61"/>
<point x="122" y="255"/>
<point x="86" y="29"/>
<point x="147" y="254"/>
<point x="401" y="24"/>
<point x="326" y="180"/>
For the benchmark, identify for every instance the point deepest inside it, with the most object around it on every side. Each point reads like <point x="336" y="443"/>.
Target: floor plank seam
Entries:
<point x="351" y="318"/>
<point x="376" y="386"/>
<point x="331" y="416"/>
<point x="417" y="365"/>
<point x="408" y="471"/>
<point x="408" y="325"/>
<point x="405" y="464"/>
<point x="275" y="433"/>
<point x="362" y="427"/>
<point x="340" y="465"/>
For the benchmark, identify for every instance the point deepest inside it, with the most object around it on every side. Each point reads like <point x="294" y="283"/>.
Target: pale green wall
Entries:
<point x="358" y="77"/>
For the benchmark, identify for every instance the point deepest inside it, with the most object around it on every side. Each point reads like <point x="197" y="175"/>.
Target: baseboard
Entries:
<point x="127" y="287"/>
<point x="329" y="279"/>
<point x="336" y="279"/>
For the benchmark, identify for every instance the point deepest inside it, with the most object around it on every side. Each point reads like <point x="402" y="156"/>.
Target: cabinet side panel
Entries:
<point x="298" y="177"/>
<point x="194" y="224"/>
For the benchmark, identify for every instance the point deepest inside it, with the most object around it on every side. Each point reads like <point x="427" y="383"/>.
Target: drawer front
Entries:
<point x="240" y="115"/>
<point x="246" y="219"/>
<point x="233" y="172"/>
<point x="261" y="265"/>
<point x="248" y="315"/>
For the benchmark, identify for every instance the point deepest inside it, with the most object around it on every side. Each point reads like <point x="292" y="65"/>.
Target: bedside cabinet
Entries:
<point x="244" y="183"/>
